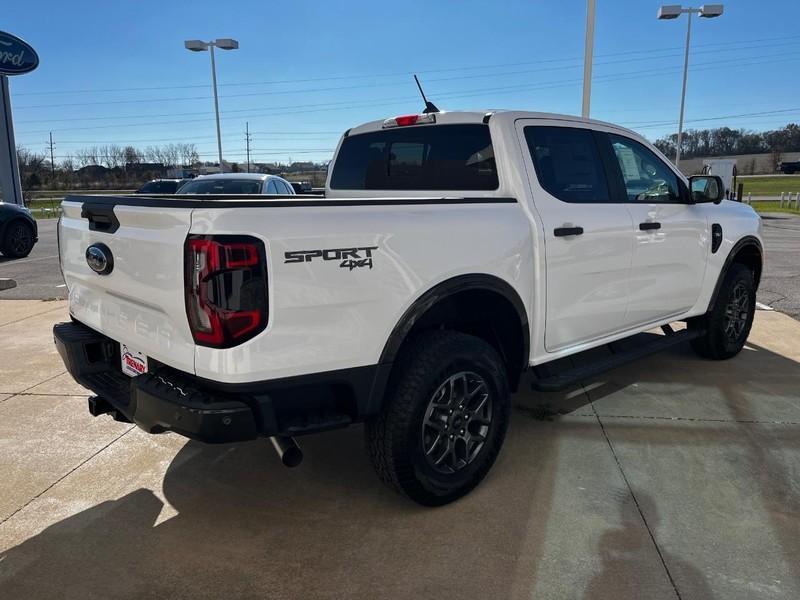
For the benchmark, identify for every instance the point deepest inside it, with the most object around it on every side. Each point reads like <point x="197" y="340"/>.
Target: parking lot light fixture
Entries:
<point x="201" y="46"/>
<point x="673" y="11"/>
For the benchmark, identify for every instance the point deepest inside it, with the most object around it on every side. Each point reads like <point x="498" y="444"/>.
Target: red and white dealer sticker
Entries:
<point x="133" y="362"/>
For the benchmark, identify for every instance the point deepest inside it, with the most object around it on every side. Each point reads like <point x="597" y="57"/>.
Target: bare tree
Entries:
<point x="188" y="153"/>
<point x="131" y="155"/>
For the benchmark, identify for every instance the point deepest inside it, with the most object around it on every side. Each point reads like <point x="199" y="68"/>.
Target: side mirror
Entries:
<point x="706" y="188"/>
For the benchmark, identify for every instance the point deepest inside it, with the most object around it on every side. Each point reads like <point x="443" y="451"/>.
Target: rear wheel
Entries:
<point x="19" y="240"/>
<point x="444" y="419"/>
<point x="728" y="323"/>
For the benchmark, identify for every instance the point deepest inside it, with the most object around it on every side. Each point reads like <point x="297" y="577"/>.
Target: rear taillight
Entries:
<point x="226" y="289"/>
<point x="406" y="120"/>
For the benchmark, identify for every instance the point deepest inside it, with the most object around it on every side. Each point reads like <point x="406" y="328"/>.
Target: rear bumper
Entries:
<point x="165" y="399"/>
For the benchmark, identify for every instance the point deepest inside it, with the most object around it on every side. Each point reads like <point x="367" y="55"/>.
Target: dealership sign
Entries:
<point x="16" y="56"/>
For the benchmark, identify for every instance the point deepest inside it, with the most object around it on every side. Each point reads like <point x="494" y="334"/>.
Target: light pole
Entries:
<point x="201" y="46"/>
<point x="673" y="11"/>
<point x="588" y="51"/>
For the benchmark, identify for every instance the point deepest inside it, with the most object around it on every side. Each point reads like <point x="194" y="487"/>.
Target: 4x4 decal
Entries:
<point x="351" y="258"/>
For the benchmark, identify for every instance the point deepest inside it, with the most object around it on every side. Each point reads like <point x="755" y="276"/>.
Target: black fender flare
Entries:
<point x="744" y="242"/>
<point x="450" y="287"/>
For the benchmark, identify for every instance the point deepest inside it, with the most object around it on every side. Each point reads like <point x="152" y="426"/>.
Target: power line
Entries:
<point x="640" y="74"/>
<point x="748" y="44"/>
<point x="349" y="87"/>
<point x="750" y="114"/>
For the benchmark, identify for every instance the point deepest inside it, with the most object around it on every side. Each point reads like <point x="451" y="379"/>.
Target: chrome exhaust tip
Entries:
<point x="287" y="449"/>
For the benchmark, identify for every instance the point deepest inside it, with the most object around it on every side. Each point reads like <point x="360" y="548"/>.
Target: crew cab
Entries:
<point x="452" y="252"/>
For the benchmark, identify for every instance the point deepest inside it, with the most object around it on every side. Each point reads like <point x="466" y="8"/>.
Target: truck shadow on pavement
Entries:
<point x="238" y="525"/>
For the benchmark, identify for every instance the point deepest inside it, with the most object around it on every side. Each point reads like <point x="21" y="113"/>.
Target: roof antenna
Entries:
<point x="430" y="107"/>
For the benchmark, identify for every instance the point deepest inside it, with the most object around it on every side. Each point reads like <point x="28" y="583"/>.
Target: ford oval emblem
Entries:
<point x="16" y="55"/>
<point x="100" y="259"/>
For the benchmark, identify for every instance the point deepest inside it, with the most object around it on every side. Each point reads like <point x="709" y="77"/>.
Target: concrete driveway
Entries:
<point x="673" y="477"/>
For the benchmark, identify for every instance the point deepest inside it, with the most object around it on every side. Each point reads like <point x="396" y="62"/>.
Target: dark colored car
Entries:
<point x="18" y="231"/>
<point x="301" y="187"/>
<point x="161" y="186"/>
<point x="790" y="167"/>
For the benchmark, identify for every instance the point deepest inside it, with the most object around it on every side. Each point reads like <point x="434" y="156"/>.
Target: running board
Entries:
<point x="554" y="383"/>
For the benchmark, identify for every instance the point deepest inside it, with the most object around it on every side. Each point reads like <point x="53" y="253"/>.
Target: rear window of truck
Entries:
<point x="426" y="157"/>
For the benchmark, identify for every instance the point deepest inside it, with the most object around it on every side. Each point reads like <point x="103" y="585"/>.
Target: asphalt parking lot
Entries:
<point x="780" y="283"/>
<point x="673" y="477"/>
<point x="38" y="275"/>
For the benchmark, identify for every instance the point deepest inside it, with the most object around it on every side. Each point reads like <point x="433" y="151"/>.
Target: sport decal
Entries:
<point x="348" y="258"/>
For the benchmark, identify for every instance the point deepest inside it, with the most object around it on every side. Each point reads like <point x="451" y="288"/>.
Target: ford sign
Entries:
<point x="16" y="56"/>
<point x="100" y="259"/>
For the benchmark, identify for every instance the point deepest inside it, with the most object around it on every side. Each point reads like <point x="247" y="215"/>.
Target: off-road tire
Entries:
<point x="395" y="437"/>
<point x="18" y="240"/>
<point x="720" y="341"/>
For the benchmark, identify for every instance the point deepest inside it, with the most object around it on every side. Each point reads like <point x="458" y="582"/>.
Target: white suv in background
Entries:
<point x="237" y="183"/>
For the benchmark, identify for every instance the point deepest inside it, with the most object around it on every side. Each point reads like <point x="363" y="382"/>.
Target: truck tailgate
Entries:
<point x="140" y="302"/>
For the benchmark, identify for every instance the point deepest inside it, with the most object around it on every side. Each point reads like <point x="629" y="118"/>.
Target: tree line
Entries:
<point x="724" y="141"/>
<point x="127" y="165"/>
<point x="113" y="166"/>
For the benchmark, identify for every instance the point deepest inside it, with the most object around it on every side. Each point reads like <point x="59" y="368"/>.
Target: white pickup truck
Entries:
<point x="451" y="253"/>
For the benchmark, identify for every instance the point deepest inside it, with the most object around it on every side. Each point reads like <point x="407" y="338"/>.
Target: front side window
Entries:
<point x="568" y="163"/>
<point x="646" y="177"/>
<point x="425" y="157"/>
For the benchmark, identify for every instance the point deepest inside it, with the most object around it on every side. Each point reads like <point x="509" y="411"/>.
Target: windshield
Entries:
<point x="221" y="186"/>
<point x="440" y="157"/>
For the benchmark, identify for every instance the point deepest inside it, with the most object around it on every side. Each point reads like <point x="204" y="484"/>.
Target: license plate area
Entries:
<point x="132" y="362"/>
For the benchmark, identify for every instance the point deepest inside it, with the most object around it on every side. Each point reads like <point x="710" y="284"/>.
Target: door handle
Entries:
<point x="564" y="231"/>
<point x="647" y="226"/>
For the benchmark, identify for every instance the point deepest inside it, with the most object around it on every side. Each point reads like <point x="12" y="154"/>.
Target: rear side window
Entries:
<point x="440" y="157"/>
<point x="285" y="188"/>
<point x="568" y="163"/>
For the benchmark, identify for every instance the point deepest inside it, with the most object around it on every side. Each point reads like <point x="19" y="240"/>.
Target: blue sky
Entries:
<point x="117" y="72"/>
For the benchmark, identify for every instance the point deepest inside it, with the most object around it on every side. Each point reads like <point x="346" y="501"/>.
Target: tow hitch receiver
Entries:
<point x="100" y="406"/>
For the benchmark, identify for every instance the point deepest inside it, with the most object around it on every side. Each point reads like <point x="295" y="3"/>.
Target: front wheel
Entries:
<point x="728" y="323"/>
<point x="19" y="240"/>
<point x="444" y="419"/>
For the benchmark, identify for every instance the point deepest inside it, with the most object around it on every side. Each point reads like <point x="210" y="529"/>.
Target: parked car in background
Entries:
<point x="301" y="187"/>
<point x="790" y="167"/>
<point x="237" y="183"/>
<point x="161" y="186"/>
<point x="18" y="231"/>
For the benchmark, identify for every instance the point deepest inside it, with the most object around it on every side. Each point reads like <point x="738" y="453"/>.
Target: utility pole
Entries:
<point x="247" y="140"/>
<point x="52" y="146"/>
